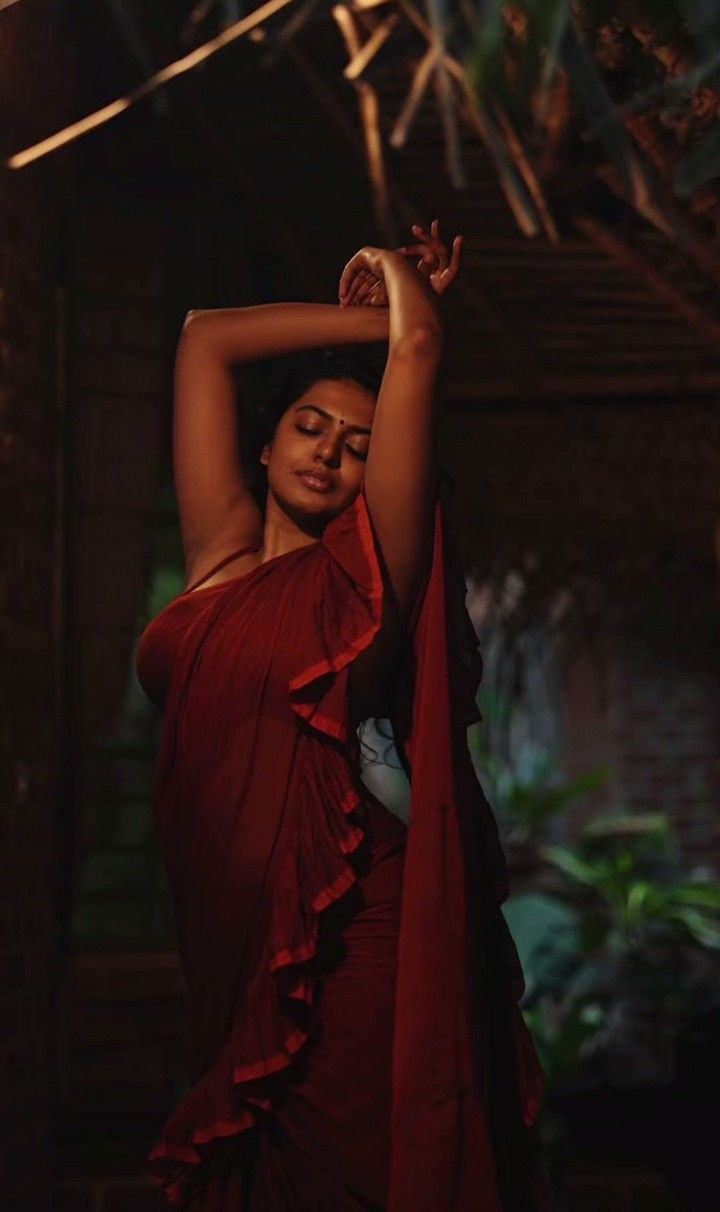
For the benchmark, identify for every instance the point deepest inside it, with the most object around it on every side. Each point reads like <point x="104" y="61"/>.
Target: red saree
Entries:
<point x="352" y="985"/>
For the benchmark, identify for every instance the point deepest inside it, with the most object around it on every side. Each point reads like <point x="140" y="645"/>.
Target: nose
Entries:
<point x="328" y="448"/>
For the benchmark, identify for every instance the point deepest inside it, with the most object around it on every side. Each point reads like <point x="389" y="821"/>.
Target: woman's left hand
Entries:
<point x="362" y="282"/>
<point x="363" y="279"/>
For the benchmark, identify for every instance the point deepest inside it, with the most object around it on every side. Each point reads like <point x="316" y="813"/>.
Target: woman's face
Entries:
<point x="316" y="460"/>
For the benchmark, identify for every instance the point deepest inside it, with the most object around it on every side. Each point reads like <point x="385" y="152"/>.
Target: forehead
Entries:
<point x="344" y="399"/>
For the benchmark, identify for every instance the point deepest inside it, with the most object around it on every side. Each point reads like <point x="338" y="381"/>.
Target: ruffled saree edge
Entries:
<point x="319" y="697"/>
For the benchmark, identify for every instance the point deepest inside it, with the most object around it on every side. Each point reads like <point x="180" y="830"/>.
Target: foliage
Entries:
<point x="617" y="943"/>
<point x="525" y="799"/>
<point x="610" y="979"/>
<point x="640" y="82"/>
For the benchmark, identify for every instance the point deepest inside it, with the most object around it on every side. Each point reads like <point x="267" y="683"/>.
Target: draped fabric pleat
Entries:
<point x="352" y="987"/>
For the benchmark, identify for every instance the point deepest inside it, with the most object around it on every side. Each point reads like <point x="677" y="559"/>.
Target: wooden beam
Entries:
<point x="369" y="107"/>
<point x="446" y="100"/>
<point x="416" y="92"/>
<point x="517" y="352"/>
<point x="467" y="393"/>
<point x="518" y="198"/>
<point x="289" y="31"/>
<point x="178" y="68"/>
<point x="682" y="231"/>
<point x="367" y="52"/>
<point x="526" y="170"/>
<point x="630" y="260"/>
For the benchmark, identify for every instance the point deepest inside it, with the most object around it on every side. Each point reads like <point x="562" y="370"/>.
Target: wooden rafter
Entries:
<point x="630" y="260"/>
<point x="369" y="49"/>
<point x="453" y="153"/>
<point x="369" y="106"/>
<point x="178" y="68"/>
<point x="243" y="179"/>
<point x="416" y="92"/>
<point x="473" y="112"/>
<point x="521" y="359"/>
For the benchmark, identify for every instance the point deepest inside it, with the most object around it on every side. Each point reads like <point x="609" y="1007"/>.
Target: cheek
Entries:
<point x="283" y="451"/>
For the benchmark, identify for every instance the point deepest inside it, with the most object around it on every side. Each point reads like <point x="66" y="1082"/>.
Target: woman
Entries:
<point x="352" y="988"/>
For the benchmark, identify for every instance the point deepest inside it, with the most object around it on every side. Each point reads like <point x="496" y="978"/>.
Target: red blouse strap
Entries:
<point x="216" y="567"/>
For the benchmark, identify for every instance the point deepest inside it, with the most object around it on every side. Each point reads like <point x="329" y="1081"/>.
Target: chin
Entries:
<point x="305" y="506"/>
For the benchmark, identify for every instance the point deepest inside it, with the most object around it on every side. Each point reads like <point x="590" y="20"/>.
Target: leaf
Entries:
<point x="698" y="925"/>
<point x="606" y="125"/>
<point x="484" y="63"/>
<point x="573" y="865"/>
<point x="705" y="895"/>
<point x="552" y="19"/>
<point x="640" y="895"/>
<point x="546" y="933"/>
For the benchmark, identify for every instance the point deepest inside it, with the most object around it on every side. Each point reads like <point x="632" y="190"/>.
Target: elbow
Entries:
<point x="421" y="341"/>
<point x="191" y="317"/>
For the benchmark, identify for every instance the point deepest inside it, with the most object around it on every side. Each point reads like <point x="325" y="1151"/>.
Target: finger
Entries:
<point x="434" y="242"/>
<point x="443" y="280"/>
<point x="355" y="263"/>
<point x="368" y="281"/>
<point x="412" y="250"/>
<point x="454" y="265"/>
<point x="368" y="284"/>
<point x="352" y="280"/>
<point x="356" y="287"/>
<point x="346" y="279"/>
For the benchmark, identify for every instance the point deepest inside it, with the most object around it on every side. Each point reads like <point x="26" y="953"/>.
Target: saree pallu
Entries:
<point x="353" y="989"/>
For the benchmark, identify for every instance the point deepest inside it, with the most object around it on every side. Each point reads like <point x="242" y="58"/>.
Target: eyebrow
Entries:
<point x="330" y="417"/>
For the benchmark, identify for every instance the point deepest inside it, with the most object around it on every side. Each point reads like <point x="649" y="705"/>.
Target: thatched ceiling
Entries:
<point x="582" y="374"/>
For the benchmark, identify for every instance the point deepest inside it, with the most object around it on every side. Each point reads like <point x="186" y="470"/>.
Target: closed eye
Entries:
<point x="359" y="454"/>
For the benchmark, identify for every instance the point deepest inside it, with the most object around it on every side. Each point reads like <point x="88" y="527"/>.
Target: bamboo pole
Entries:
<point x="178" y="68"/>
<point x="516" y="351"/>
<point x="368" y="51"/>
<point x="529" y="176"/>
<point x="369" y="107"/>
<point x="416" y="92"/>
<point x="453" y="153"/>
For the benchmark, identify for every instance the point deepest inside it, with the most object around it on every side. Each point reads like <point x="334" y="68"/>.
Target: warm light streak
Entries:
<point x="379" y="37"/>
<point x="178" y="68"/>
<point x="420" y="80"/>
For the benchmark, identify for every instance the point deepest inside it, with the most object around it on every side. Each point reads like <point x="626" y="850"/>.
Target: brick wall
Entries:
<point x="119" y="377"/>
<point x="123" y="1030"/>
<point x="651" y="711"/>
<point x="665" y="723"/>
<point x="35" y="89"/>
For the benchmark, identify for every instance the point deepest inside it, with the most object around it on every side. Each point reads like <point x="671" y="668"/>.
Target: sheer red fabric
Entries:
<point x="352" y="986"/>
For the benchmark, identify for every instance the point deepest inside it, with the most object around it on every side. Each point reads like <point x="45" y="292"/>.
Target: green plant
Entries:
<point x="525" y="797"/>
<point x="624" y="860"/>
<point x="631" y="955"/>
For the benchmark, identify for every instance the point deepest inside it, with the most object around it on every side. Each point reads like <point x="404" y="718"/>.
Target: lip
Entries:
<point x="316" y="481"/>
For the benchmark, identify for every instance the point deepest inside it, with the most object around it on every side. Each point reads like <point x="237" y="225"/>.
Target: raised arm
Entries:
<point x="217" y="509"/>
<point x="400" y="469"/>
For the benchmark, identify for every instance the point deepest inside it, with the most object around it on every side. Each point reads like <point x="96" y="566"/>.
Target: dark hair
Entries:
<point x="293" y="374"/>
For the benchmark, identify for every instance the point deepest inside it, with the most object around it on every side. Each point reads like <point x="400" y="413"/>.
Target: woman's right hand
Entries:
<point x="367" y="287"/>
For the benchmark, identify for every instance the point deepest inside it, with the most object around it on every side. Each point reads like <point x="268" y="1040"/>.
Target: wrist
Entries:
<point x="369" y="323"/>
